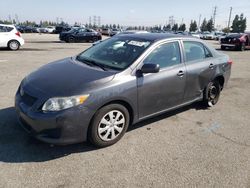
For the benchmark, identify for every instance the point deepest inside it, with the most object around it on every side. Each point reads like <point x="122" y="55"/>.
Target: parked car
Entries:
<point x="208" y="35"/>
<point x="80" y="35"/>
<point x="236" y="41"/>
<point x="10" y="37"/>
<point x="50" y="29"/>
<point x="196" y="34"/>
<point x="26" y="29"/>
<point x="182" y="33"/>
<point x="218" y="35"/>
<point x="62" y="28"/>
<point x="114" y="32"/>
<point x="116" y="83"/>
<point x="106" y="31"/>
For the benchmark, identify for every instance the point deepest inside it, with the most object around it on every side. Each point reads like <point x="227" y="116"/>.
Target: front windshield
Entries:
<point x="116" y="53"/>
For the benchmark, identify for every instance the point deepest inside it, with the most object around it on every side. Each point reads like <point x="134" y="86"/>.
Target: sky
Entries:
<point x="124" y="12"/>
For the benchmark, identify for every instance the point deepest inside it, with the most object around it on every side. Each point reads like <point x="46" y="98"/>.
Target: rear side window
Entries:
<point x="5" y="29"/>
<point x="165" y="55"/>
<point x="196" y="51"/>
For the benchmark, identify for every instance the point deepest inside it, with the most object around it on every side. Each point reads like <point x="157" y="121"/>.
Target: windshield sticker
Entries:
<point x="137" y="43"/>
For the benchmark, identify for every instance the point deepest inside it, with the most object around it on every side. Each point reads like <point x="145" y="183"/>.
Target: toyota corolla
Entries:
<point x="97" y="94"/>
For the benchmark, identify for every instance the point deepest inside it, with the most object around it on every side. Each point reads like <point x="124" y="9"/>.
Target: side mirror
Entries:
<point x="150" y="68"/>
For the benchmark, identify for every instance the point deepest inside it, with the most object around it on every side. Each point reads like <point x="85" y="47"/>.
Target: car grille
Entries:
<point x="27" y="99"/>
<point x="227" y="40"/>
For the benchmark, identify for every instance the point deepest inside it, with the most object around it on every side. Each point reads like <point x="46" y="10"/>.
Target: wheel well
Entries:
<point x="221" y="81"/>
<point x="126" y="105"/>
<point x="123" y="103"/>
<point x="13" y="40"/>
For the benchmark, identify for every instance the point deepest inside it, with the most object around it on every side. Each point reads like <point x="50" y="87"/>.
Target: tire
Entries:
<point x="13" y="45"/>
<point x="71" y="39"/>
<point x="242" y="47"/>
<point x="94" y="39"/>
<point x="223" y="48"/>
<point x="102" y="128"/>
<point x="212" y="94"/>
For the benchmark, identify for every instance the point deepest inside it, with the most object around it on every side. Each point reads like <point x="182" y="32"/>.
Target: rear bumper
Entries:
<point x="21" y="41"/>
<point x="64" y="127"/>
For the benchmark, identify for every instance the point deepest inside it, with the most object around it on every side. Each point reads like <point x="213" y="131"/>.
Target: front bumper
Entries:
<point x="64" y="127"/>
<point x="229" y="45"/>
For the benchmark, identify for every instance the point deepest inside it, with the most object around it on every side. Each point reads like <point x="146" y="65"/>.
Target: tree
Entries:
<point x="204" y="25"/>
<point x="175" y="27"/>
<point x="168" y="27"/>
<point x="210" y="25"/>
<point x="193" y="26"/>
<point x="114" y="26"/>
<point x="226" y="30"/>
<point x="239" y="24"/>
<point x="182" y="27"/>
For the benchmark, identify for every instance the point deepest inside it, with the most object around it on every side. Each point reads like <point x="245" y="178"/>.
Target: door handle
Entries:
<point x="180" y="73"/>
<point x="211" y="66"/>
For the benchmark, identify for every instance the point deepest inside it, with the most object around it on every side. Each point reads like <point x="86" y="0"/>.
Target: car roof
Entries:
<point x="153" y="37"/>
<point x="8" y="25"/>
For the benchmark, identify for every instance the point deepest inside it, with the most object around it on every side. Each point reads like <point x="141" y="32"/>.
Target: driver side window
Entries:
<point x="166" y="55"/>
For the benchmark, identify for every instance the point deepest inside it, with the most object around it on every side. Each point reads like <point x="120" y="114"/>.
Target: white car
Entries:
<point x="50" y="29"/>
<point x="10" y="37"/>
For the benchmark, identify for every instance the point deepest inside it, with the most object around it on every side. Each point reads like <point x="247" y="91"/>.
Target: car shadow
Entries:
<point x="16" y="146"/>
<point x="43" y="42"/>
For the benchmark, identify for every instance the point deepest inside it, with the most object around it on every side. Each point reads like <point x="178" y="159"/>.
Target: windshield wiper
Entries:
<point x="91" y="62"/>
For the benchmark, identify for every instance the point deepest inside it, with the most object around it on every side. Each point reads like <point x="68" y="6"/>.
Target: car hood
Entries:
<point x="66" y="77"/>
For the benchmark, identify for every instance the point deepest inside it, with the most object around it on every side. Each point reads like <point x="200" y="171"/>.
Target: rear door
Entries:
<point x="200" y="68"/>
<point x="4" y="35"/>
<point x="165" y="89"/>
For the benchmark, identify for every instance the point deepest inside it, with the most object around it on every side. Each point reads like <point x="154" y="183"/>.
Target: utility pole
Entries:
<point x="171" y="21"/>
<point x="90" y="20"/>
<point x="99" y="21"/>
<point x="230" y="14"/>
<point x="94" y="20"/>
<point x="199" y="25"/>
<point x="215" y="12"/>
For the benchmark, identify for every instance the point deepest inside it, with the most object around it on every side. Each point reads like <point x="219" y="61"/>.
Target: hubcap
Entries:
<point x="111" y="125"/>
<point x="13" y="45"/>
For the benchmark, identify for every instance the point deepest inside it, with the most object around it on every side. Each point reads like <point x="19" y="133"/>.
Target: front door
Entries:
<point x="165" y="89"/>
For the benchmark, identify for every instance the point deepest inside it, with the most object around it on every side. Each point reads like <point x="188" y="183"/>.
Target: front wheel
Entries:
<point x="223" y="48"/>
<point x="212" y="94"/>
<point x="13" y="45"/>
<point x="109" y="124"/>
<point x="242" y="47"/>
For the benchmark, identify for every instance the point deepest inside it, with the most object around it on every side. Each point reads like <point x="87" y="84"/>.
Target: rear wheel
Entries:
<point x="13" y="45"/>
<point x="212" y="94"/>
<point x="109" y="125"/>
<point x="71" y="39"/>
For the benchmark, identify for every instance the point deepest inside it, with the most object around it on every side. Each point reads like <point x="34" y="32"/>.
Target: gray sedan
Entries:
<point x="97" y="94"/>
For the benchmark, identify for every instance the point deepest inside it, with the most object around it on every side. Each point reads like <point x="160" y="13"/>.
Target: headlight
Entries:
<point x="61" y="103"/>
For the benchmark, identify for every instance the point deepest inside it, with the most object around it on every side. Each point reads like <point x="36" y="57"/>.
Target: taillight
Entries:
<point x="18" y="34"/>
<point x="230" y="62"/>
